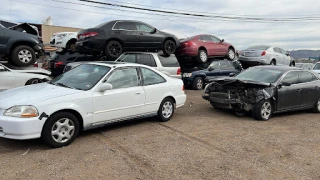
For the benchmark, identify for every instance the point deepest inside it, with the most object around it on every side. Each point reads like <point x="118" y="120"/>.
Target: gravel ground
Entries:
<point x="198" y="143"/>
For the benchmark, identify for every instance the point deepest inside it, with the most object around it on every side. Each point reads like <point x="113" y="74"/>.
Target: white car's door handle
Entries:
<point x="137" y="93"/>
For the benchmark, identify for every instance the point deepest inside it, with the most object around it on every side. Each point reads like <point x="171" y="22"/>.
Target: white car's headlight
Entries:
<point x="21" y="111"/>
<point x="186" y="74"/>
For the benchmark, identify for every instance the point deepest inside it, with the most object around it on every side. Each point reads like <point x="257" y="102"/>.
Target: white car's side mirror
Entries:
<point x="105" y="86"/>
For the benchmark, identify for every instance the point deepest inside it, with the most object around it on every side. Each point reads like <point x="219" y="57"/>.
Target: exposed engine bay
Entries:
<point x="239" y="95"/>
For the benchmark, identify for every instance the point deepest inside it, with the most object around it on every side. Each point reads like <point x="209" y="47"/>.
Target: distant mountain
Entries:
<point x="296" y="54"/>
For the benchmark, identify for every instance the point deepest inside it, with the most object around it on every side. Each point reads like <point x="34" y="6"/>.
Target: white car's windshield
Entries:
<point x="317" y="66"/>
<point x="260" y="74"/>
<point x="83" y="77"/>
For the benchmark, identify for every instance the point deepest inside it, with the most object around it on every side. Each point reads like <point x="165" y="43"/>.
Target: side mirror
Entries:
<point x="211" y="68"/>
<point x="105" y="86"/>
<point x="288" y="54"/>
<point x="232" y="74"/>
<point x="222" y="40"/>
<point x="284" y="84"/>
<point x="154" y="31"/>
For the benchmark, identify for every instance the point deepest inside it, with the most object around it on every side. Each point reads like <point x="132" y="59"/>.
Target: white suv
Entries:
<point x="64" y="39"/>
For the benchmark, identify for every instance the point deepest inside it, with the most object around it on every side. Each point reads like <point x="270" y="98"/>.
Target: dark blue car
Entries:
<point x="197" y="77"/>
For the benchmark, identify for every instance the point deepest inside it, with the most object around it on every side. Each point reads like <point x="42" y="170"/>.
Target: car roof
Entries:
<point x="304" y="63"/>
<point x="116" y="64"/>
<point x="278" y="67"/>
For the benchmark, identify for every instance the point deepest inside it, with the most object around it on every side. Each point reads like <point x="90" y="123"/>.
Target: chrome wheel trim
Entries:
<point x="318" y="104"/>
<point x="25" y="56"/>
<point x="35" y="81"/>
<point x="203" y="56"/>
<point x="231" y="54"/>
<point x="63" y="130"/>
<point x="266" y="110"/>
<point x="167" y="109"/>
<point x="199" y="83"/>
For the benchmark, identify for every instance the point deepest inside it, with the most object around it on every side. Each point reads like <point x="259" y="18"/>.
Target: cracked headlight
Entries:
<point x="187" y="75"/>
<point x="21" y="112"/>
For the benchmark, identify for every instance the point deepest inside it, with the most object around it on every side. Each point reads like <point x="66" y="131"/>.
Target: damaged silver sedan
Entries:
<point x="265" y="90"/>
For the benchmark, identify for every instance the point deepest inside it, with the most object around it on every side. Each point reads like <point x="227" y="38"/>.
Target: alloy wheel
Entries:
<point x="231" y="54"/>
<point x="25" y="56"/>
<point x="167" y="109"/>
<point x="114" y="49"/>
<point x="318" y="104"/>
<point x="63" y="130"/>
<point x="266" y="110"/>
<point x="199" y="83"/>
<point x="170" y="47"/>
<point x="203" y="56"/>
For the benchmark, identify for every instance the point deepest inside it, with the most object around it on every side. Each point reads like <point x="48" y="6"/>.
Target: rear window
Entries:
<point x="168" y="60"/>
<point x="259" y="47"/>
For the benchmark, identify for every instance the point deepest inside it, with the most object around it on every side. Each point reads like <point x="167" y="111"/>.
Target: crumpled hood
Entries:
<point x="29" y="95"/>
<point x="232" y="81"/>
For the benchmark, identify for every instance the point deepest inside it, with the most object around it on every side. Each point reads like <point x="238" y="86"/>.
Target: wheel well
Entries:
<point x="274" y="60"/>
<point x="231" y="47"/>
<point x="202" y="48"/>
<point x="72" y="40"/>
<point x="201" y="76"/>
<point x="172" y="98"/>
<point x="25" y="43"/>
<point x="170" y="38"/>
<point x="75" y="113"/>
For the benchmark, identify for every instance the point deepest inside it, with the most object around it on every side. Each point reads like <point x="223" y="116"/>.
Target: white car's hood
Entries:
<point x="29" y="95"/>
<point x="34" y="70"/>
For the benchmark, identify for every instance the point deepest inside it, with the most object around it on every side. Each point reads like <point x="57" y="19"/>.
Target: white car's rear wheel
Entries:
<point x="166" y="110"/>
<point x="60" y="129"/>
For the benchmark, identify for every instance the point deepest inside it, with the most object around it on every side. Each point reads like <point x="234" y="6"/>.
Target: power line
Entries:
<point x="203" y="15"/>
<point x="202" y="12"/>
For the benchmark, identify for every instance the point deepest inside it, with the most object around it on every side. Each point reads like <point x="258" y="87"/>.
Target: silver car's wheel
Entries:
<point x="266" y="110"/>
<point x="63" y="130"/>
<point x="167" y="109"/>
<point x="25" y="56"/>
<point x="231" y="54"/>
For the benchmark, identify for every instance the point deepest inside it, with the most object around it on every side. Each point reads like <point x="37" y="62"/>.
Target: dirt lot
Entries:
<point x="198" y="143"/>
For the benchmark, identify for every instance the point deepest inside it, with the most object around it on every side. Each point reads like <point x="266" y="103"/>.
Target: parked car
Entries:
<point x="115" y="37"/>
<point x="197" y="77"/>
<point x="307" y="66"/>
<point x="58" y="61"/>
<point x="65" y="40"/>
<point x="20" y="45"/>
<point x="266" y="90"/>
<point x="11" y="78"/>
<point x="202" y="47"/>
<point x="264" y="55"/>
<point x="316" y="68"/>
<point x="88" y="96"/>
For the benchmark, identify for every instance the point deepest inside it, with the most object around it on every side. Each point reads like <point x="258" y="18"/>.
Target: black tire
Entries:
<point x="231" y="54"/>
<point x="258" y="113"/>
<point x="113" y="49"/>
<point x="202" y="56"/>
<point x="27" y="56"/>
<point x="71" y="44"/>
<point x="169" y="47"/>
<point x="273" y="62"/>
<point x="198" y="83"/>
<point x="164" y="104"/>
<point x="316" y="107"/>
<point x="50" y="125"/>
<point x="33" y="81"/>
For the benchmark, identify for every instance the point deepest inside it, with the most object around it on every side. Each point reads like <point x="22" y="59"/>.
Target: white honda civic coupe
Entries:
<point x="88" y="96"/>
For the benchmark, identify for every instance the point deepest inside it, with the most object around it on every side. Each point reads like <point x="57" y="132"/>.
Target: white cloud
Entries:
<point x="239" y="33"/>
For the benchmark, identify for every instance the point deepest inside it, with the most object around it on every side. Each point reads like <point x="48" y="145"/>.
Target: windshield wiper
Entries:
<point x="64" y="85"/>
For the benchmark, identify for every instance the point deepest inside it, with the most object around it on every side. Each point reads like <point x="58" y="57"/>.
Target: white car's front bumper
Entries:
<point x="20" y="128"/>
<point x="59" y="41"/>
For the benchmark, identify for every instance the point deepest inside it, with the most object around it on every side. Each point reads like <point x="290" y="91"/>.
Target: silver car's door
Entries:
<point x="6" y="79"/>
<point x="286" y="57"/>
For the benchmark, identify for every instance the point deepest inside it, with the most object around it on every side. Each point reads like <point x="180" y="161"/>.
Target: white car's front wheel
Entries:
<point x="60" y="129"/>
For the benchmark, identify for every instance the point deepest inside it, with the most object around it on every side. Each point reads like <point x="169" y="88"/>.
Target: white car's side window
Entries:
<point x="150" y="77"/>
<point x="124" y="78"/>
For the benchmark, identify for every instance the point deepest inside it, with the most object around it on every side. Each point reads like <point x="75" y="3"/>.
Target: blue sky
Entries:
<point x="293" y="35"/>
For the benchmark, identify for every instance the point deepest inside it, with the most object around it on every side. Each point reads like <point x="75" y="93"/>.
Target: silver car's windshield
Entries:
<point x="317" y="66"/>
<point x="83" y="77"/>
<point x="260" y="74"/>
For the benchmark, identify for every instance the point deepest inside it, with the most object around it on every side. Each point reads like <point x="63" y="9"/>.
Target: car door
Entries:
<point x="278" y="55"/>
<point x="289" y="97"/>
<point x="7" y="79"/>
<point x="212" y="50"/>
<point x="214" y="70"/>
<point x="148" y="36"/>
<point x="226" y="68"/>
<point x="127" y="32"/>
<point x="286" y="58"/>
<point x="310" y="89"/>
<point x="126" y="99"/>
<point x="155" y="87"/>
<point x="220" y="46"/>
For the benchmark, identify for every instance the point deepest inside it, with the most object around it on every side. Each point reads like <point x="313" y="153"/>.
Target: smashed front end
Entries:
<point x="235" y="94"/>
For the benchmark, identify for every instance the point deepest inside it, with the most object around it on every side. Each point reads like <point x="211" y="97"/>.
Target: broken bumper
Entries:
<point x="221" y="102"/>
<point x="20" y="128"/>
